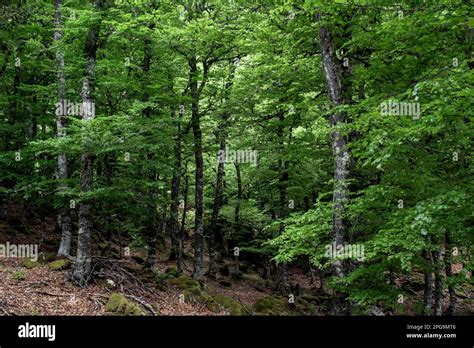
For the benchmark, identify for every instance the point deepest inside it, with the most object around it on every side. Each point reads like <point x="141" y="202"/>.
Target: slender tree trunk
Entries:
<point x="332" y="71"/>
<point x="82" y="267"/>
<point x="237" y="215"/>
<point x="64" y="216"/>
<point x="239" y="198"/>
<point x="213" y="267"/>
<point x="156" y="219"/>
<point x="42" y="234"/>
<point x="176" y="237"/>
<point x="428" y="291"/>
<point x="438" y="288"/>
<point x="449" y="273"/>
<point x="198" y="270"/>
<point x="282" y="270"/>
<point x="214" y="238"/>
<point x="183" y="233"/>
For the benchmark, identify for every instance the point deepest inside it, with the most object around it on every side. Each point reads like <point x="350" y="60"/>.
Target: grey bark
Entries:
<point x="438" y="283"/>
<point x="449" y="273"/>
<point x="198" y="270"/>
<point x="64" y="216"/>
<point x="332" y="72"/>
<point x="282" y="270"/>
<point x="176" y="236"/>
<point x="428" y="279"/>
<point x="82" y="267"/>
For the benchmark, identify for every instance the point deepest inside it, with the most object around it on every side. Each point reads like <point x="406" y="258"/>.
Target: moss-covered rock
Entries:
<point x="30" y="264"/>
<point x="219" y="302"/>
<point x="59" y="265"/>
<point x="271" y="306"/>
<point x="189" y="284"/>
<point x="119" y="305"/>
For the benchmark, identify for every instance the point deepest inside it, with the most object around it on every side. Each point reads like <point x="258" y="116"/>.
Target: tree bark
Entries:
<point x="213" y="252"/>
<point x="449" y="273"/>
<point x="215" y="238"/>
<point x="282" y="270"/>
<point x="332" y="71"/>
<point x="176" y="237"/>
<point x="198" y="270"/>
<point x="428" y="277"/>
<point x="236" y="272"/>
<point x="438" y="288"/>
<point x="183" y="233"/>
<point x="82" y="267"/>
<point x="64" y="216"/>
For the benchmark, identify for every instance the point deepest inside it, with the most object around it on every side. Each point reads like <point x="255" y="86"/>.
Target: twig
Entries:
<point x="143" y="303"/>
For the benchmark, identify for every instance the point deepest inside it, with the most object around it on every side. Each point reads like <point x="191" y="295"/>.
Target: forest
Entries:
<point x="198" y="157"/>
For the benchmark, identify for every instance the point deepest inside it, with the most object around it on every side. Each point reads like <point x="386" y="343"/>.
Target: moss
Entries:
<point x="30" y="264"/>
<point x="18" y="275"/>
<point x="219" y="302"/>
<point x="119" y="305"/>
<point x="271" y="306"/>
<point x="172" y="272"/>
<point x="60" y="265"/>
<point x="189" y="284"/>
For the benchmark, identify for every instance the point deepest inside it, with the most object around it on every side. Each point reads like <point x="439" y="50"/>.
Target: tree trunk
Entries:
<point x="438" y="289"/>
<point x="282" y="271"/>
<point x="213" y="267"/>
<point x="198" y="270"/>
<point x="183" y="234"/>
<point x="236" y="272"/>
<point x="82" y="267"/>
<point x="449" y="273"/>
<point x="176" y="237"/>
<point x="64" y="216"/>
<point x="332" y="71"/>
<point x="428" y="291"/>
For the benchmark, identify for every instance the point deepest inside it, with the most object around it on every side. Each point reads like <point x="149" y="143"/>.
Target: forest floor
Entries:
<point x="44" y="291"/>
<point x="41" y="290"/>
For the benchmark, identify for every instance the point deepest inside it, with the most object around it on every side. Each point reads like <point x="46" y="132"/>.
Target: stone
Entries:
<point x="60" y="265"/>
<point x="118" y="304"/>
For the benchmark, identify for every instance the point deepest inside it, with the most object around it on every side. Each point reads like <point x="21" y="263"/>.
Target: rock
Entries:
<point x="119" y="305"/>
<point x="60" y="265"/>
<point x="219" y="302"/>
<point x="30" y="264"/>
<point x="271" y="306"/>
<point x="189" y="284"/>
